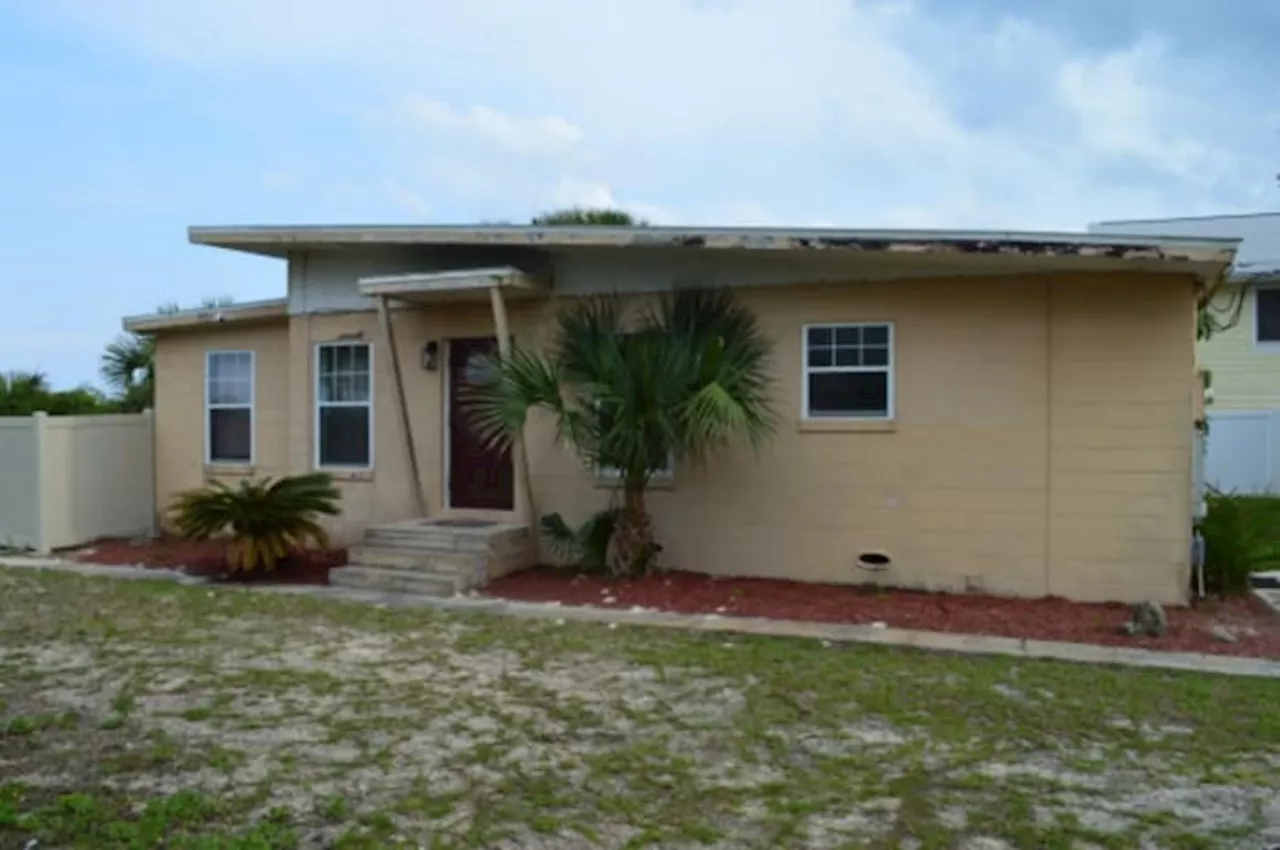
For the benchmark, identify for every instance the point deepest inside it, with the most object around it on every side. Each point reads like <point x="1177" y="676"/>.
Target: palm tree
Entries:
<point x="128" y="367"/>
<point x="596" y="216"/>
<point x="688" y="379"/>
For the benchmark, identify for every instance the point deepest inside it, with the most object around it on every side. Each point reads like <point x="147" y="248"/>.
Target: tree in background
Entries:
<point x="129" y="370"/>
<point x="128" y="364"/>
<point x="25" y="393"/>
<point x="592" y="216"/>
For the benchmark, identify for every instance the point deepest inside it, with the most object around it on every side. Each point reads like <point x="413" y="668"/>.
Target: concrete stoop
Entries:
<point x="434" y="557"/>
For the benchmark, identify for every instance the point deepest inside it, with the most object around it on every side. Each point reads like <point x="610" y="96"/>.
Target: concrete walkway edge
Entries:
<point x="1227" y="665"/>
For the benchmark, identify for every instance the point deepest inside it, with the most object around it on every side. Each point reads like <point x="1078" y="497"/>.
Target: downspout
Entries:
<point x="402" y="405"/>
<point x="502" y="328"/>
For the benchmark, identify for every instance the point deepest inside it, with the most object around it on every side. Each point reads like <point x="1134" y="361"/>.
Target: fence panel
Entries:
<point x="71" y="479"/>
<point x="19" y="482"/>
<point x="1242" y="451"/>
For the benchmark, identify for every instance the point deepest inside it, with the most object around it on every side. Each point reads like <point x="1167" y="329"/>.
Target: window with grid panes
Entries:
<point x="848" y="371"/>
<point x="344" y="405"/>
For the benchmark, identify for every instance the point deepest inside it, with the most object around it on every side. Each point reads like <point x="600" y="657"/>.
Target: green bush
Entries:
<point x="267" y="520"/>
<point x="1241" y="536"/>
<point x="586" y="547"/>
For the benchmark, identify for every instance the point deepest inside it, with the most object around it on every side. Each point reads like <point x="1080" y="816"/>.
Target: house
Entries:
<point x="1003" y="412"/>
<point x="1242" y="359"/>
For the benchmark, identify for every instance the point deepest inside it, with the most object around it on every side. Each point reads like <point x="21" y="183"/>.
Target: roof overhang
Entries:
<point x="455" y="284"/>
<point x="233" y="314"/>
<point x="1200" y="255"/>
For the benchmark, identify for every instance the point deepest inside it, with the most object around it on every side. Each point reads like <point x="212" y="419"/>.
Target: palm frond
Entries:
<point x="265" y="519"/>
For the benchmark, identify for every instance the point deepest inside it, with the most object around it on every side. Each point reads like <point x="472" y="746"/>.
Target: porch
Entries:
<point x="479" y="527"/>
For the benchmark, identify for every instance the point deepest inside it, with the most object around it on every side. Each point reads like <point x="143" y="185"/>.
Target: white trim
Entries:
<point x="252" y="405"/>
<point x="805" y="370"/>
<point x="1270" y="346"/>
<point x="317" y="404"/>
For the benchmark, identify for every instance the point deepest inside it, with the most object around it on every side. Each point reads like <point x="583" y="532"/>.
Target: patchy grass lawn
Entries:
<point x="137" y="714"/>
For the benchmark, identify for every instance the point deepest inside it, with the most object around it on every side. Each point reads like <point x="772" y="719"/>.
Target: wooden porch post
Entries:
<point x="521" y="458"/>
<point x="402" y="405"/>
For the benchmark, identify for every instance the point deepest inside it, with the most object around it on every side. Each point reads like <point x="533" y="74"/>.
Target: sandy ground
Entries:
<point x="352" y="724"/>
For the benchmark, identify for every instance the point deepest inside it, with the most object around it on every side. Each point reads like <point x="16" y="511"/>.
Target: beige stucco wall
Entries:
<point x="1042" y="440"/>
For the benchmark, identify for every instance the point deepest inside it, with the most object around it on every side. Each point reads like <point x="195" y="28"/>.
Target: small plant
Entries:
<point x="1241" y="536"/>
<point x="587" y="546"/>
<point x="267" y="520"/>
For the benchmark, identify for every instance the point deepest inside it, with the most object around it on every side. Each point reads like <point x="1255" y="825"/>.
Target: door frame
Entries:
<point x="446" y="481"/>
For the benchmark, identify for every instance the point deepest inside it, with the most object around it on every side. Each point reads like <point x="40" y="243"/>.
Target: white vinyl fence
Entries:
<point x="66" y="480"/>
<point x="1244" y="451"/>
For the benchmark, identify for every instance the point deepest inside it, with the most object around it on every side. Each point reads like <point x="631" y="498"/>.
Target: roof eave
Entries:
<point x="278" y="241"/>
<point x="249" y="311"/>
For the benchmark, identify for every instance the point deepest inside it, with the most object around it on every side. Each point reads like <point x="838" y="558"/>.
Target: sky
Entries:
<point x="129" y="120"/>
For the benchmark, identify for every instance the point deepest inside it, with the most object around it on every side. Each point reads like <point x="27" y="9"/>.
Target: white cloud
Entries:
<point x="506" y="132"/>
<point x="407" y="199"/>
<point x="858" y="112"/>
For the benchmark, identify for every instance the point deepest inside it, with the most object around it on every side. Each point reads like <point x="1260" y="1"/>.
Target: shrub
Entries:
<point x="585" y="547"/>
<point x="1241" y="536"/>
<point x="266" y="520"/>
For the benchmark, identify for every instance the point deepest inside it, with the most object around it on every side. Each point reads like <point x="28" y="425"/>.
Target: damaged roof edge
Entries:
<point x="279" y="239"/>
<point x="247" y="311"/>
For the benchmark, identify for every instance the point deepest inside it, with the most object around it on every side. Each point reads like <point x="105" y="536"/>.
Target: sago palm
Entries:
<point x="688" y="378"/>
<point x="267" y="520"/>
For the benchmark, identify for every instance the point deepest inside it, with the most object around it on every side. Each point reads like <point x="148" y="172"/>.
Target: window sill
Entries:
<point x="866" y="426"/>
<point x="347" y="474"/>
<point x="230" y="470"/>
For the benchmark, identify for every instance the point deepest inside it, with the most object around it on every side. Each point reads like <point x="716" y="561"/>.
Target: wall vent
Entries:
<point x="874" y="561"/>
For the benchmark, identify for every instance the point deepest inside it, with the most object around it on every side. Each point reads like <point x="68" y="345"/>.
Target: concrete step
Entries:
<point x="426" y="540"/>
<point x="382" y="555"/>
<point x="393" y="580"/>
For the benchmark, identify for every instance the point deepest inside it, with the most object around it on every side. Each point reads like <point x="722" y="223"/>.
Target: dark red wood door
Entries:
<point x="479" y="477"/>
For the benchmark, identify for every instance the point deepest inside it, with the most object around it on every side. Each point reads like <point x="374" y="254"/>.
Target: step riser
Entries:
<point x="456" y="580"/>
<point x="401" y="583"/>
<point x="428" y="542"/>
<point x="381" y="556"/>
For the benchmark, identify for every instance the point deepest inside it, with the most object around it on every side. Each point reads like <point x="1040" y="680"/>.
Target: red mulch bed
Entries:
<point x="1042" y="619"/>
<point x="207" y="558"/>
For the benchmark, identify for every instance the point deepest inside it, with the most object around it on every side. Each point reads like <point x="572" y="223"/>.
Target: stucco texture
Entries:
<point x="1041" y="441"/>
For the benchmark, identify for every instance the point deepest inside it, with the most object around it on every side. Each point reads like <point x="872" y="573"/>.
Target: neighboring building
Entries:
<point x="1243" y="445"/>
<point x="1023" y="420"/>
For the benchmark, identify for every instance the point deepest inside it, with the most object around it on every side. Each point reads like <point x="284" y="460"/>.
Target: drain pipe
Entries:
<point x="1197" y="562"/>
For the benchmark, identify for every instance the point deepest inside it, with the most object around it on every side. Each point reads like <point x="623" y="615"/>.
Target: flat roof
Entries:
<point x="1175" y="218"/>
<point x="278" y="240"/>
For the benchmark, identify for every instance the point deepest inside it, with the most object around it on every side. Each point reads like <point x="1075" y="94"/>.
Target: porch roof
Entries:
<point x="1206" y="254"/>
<point x="456" y="284"/>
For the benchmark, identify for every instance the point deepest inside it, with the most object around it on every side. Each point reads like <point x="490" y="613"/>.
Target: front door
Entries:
<point x="479" y="477"/>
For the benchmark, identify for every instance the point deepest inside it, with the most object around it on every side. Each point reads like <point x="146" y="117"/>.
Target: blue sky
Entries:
<point x="128" y="120"/>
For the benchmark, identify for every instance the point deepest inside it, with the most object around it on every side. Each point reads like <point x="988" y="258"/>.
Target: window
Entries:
<point x="344" y="405"/>
<point x="848" y="371"/>
<point x="228" y="401"/>
<point x="1266" y="306"/>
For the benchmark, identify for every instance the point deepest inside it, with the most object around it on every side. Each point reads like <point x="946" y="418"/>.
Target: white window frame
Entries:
<point x="318" y="404"/>
<point x="806" y="370"/>
<point x="210" y="406"/>
<point x="1269" y="345"/>
<point x="613" y="473"/>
